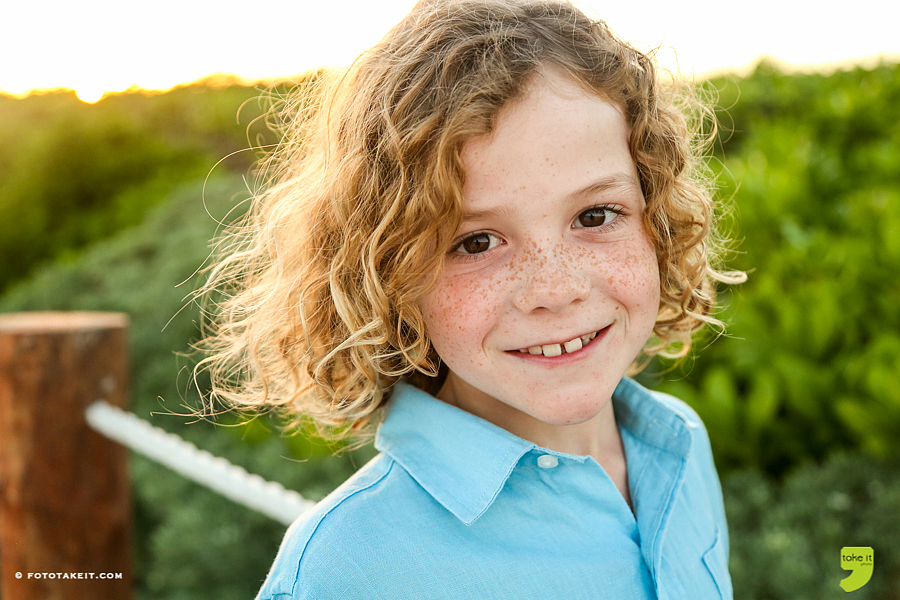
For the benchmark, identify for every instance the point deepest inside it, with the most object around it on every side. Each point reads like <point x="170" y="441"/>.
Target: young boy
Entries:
<point x="488" y="222"/>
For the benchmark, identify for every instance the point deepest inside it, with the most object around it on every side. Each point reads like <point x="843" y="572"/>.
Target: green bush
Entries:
<point x="809" y="361"/>
<point x="786" y="537"/>
<point x="72" y="174"/>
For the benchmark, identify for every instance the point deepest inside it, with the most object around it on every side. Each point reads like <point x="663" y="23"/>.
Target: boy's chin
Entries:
<point x="564" y="412"/>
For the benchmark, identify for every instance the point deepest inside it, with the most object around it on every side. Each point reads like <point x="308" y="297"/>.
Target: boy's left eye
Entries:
<point x="597" y="216"/>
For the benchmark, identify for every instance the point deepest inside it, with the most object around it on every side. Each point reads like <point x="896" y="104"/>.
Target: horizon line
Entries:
<point x="225" y="79"/>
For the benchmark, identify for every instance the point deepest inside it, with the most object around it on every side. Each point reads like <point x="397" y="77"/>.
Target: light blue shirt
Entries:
<point x="455" y="507"/>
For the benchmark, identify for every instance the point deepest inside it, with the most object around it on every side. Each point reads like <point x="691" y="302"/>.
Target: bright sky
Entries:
<point x="93" y="46"/>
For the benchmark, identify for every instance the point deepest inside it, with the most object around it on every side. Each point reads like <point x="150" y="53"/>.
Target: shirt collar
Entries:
<point x="463" y="461"/>
<point x="460" y="459"/>
<point x="655" y="418"/>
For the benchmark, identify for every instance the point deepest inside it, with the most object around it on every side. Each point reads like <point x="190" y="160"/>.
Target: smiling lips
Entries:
<point x="552" y="350"/>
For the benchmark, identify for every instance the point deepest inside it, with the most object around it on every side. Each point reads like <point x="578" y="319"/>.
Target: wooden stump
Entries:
<point x="65" y="512"/>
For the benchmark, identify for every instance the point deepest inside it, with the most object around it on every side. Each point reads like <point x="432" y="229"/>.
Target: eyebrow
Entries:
<point x="616" y="180"/>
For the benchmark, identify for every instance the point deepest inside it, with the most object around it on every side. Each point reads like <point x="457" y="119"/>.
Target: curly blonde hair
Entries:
<point x="316" y="294"/>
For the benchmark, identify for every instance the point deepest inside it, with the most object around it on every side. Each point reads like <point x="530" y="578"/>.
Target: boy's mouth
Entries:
<point x="551" y="350"/>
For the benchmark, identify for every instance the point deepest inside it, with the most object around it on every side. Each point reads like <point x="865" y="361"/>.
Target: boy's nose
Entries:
<point x="550" y="279"/>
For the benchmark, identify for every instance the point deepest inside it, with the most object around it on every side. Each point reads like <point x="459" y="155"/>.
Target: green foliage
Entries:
<point x="810" y="358"/>
<point x="786" y="538"/>
<point x="191" y="543"/>
<point x="72" y="174"/>
<point x="808" y="366"/>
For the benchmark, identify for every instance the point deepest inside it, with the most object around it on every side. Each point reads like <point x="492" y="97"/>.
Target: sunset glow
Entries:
<point x="96" y="46"/>
<point x="89" y="95"/>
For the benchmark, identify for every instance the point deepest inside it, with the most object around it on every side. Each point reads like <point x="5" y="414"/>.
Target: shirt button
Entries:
<point x="547" y="461"/>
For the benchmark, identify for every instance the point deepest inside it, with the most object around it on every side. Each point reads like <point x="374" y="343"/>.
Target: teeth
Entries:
<point x="552" y="350"/>
<point x="573" y="345"/>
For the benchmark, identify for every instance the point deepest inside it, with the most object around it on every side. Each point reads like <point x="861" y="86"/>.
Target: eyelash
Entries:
<point x="454" y="250"/>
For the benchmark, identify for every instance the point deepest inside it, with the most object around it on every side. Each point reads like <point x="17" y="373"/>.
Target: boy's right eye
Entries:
<point x="477" y="243"/>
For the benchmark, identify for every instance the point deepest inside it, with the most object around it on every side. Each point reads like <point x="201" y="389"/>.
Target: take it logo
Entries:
<point x="860" y="561"/>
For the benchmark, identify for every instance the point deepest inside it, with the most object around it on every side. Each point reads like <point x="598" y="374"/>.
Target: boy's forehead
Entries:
<point x="548" y="89"/>
<point x="556" y="138"/>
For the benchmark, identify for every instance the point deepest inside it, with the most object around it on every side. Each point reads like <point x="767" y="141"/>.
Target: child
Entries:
<point x="468" y="242"/>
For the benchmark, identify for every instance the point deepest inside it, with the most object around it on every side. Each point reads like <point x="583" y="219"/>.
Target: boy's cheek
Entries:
<point x="631" y="272"/>
<point x="456" y="297"/>
<point x="459" y="307"/>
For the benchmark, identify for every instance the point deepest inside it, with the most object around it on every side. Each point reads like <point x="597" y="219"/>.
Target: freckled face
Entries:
<point x="552" y="249"/>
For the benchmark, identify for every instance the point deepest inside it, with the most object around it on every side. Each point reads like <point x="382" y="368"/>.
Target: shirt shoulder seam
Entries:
<point x="678" y="406"/>
<point x="335" y="504"/>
